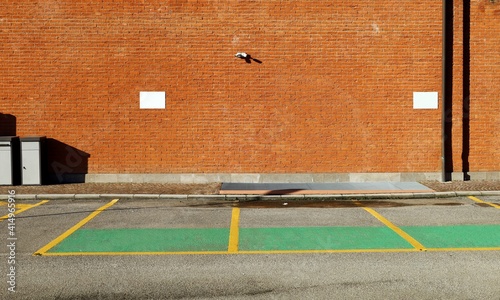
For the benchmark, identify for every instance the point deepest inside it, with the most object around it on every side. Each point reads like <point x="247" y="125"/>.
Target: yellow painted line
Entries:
<point x="328" y="251"/>
<point x="269" y="252"/>
<point x="23" y="207"/>
<point x="416" y="244"/>
<point x="465" y="249"/>
<point x="44" y="249"/>
<point x="484" y="202"/>
<point x="234" y="231"/>
<point x="18" y="205"/>
<point x="231" y="253"/>
<point x="134" y="253"/>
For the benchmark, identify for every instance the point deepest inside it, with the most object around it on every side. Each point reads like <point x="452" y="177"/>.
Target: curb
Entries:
<point x="233" y="198"/>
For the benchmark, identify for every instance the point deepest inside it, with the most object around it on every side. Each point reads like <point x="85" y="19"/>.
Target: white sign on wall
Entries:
<point x="425" y="100"/>
<point x="152" y="100"/>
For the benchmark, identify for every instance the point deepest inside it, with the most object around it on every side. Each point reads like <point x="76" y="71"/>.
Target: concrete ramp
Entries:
<point x="322" y="188"/>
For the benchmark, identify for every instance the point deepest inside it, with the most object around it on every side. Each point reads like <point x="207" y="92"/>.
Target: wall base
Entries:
<point x="284" y="178"/>
<point x="262" y="178"/>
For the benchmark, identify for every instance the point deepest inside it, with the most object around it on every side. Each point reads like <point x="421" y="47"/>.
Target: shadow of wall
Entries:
<point x="65" y="163"/>
<point x="7" y="125"/>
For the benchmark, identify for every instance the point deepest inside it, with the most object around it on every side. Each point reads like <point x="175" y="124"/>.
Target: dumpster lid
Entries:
<point x="8" y="138"/>
<point x="32" y="138"/>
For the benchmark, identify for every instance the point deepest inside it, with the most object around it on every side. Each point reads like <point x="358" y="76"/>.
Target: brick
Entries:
<point x="333" y="93"/>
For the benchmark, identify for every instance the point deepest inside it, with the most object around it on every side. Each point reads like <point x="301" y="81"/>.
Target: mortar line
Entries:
<point x="234" y="231"/>
<point x="416" y="244"/>
<point x="75" y="227"/>
<point x="484" y="202"/>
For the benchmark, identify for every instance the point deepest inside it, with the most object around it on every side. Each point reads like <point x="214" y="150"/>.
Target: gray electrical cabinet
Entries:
<point x="9" y="160"/>
<point x="33" y="160"/>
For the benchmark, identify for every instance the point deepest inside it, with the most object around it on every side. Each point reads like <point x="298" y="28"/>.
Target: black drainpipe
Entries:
<point x="447" y="90"/>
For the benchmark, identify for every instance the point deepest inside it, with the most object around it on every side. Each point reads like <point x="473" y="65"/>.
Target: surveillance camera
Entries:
<point x="241" y="55"/>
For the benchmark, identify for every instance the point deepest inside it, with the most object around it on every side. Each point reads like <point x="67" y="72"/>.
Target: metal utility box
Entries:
<point x="10" y="166"/>
<point x="33" y="160"/>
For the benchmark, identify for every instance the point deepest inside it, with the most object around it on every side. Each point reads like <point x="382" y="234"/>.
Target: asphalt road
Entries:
<point x="404" y="273"/>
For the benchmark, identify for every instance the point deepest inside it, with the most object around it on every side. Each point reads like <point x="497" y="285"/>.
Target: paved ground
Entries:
<point x="249" y="230"/>
<point x="157" y="249"/>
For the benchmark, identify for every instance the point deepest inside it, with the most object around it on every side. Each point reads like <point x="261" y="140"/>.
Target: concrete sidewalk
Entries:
<point x="251" y="191"/>
<point x="323" y="197"/>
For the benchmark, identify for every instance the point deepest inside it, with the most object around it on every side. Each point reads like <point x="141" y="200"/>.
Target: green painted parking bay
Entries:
<point x="217" y="239"/>
<point x="276" y="239"/>
<point x="320" y="238"/>
<point x="145" y="240"/>
<point x="235" y="238"/>
<point x="368" y="238"/>
<point x="456" y="236"/>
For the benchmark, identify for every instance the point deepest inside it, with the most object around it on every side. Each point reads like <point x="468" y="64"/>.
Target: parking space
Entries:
<point x="39" y="222"/>
<point x="457" y="237"/>
<point x="431" y="216"/>
<point x="305" y="217"/>
<point x="468" y="227"/>
<point x="159" y="214"/>
<point x="148" y="227"/>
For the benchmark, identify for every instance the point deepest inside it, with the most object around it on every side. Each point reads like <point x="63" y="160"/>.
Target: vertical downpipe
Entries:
<point x="444" y="91"/>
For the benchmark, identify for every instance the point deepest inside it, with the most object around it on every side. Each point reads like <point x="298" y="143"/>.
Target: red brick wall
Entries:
<point x="333" y="92"/>
<point x="485" y="86"/>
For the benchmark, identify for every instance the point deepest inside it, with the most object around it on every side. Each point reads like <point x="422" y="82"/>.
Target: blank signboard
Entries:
<point x="152" y="100"/>
<point x="425" y="100"/>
